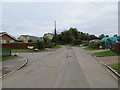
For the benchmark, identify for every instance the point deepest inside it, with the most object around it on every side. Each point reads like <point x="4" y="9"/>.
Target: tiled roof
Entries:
<point x="3" y="33"/>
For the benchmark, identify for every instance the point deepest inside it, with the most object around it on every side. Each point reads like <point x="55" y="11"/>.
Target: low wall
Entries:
<point x="117" y="48"/>
<point x="18" y="45"/>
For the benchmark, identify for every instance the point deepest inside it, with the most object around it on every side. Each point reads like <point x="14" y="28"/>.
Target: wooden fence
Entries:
<point x="117" y="48"/>
<point x="18" y="45"/>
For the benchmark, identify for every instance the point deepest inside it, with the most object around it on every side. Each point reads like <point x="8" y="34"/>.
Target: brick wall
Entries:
<point x="117" y="47"/>
<point x="7" y="38"/>
<point x="18" y="45"/>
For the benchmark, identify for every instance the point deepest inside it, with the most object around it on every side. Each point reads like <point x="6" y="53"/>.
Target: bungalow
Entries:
<point x="7" y="38"/>
<point x="26" y="38"/>
<point x="110" y="42"/>
<point x="49" y="35"/>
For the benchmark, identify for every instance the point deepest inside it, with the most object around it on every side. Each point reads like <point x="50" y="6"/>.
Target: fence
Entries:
<point x="5" y="52"/>
<point x="18" y="45"/>
<point x="117" y="47"/>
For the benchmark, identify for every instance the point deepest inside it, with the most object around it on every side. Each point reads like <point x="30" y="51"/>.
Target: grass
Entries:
<point x="106" y="53"/>
<point x="116" y="67"/>
<point x="21" y="50"/>
<point x="6" y="58"/>
<point x="87" y="48"/>
<point x="57" y="46"/>
<point x="76" y="45"/>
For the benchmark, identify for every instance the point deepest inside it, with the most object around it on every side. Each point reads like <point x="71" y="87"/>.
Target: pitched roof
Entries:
<point x="49" y="33"/>
<point x="32" y="37"/>
<point x="5" y="33"/>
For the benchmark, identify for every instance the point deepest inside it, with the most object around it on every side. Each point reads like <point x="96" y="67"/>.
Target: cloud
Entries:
<point x="38" y="18"/>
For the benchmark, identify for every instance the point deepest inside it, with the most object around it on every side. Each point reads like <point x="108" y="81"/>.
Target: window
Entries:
<point x="3" y="41"/>
<point x="11" y="41"/>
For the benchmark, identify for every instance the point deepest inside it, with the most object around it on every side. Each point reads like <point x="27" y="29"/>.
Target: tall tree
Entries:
<point x="115" y="35"/>
<point x="107" y="36"/>
<point x="101" y="36"/>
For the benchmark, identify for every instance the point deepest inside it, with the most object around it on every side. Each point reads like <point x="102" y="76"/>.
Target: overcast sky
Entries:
<point x="37" y="18"/>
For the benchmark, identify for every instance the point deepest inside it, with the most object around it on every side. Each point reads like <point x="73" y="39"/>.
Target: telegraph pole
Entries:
<point x="55" y="33"/>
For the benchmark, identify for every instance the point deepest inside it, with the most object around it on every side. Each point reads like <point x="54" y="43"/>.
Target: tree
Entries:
<point x="92" y="37"/>
<point x="115" y="35"/>
<point x="107" y="36"/>
<point x="39" y="45"/>
<point x="30" y="41"/>
<point x="74" y="32"/>
<point x="46" y="38"/>
<point x="101" y="36"/>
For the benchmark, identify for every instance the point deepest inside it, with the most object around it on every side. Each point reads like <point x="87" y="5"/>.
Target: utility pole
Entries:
<point x="55" y="33"/>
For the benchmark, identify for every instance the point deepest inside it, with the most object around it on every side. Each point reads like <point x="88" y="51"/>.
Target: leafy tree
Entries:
<point x="46" y="38"/>
<point x="40" y="45"/>
<point x="115" y="35"/>
<point x="106" y="36"/>
<point x="74" y="32"/>
<point x="92" y="37"/>
<point x="30" y="41"/>
<point x="101" y="36"/>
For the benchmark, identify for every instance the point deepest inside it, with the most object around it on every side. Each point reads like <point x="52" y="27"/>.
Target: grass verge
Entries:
<point x="21" y="50"/>
<point x="57" y="46"/>
<point x="87" y="48"/>
<point x="6" y="58"/>
<point x="116" y="67"/>
<point x="106" y="53"/>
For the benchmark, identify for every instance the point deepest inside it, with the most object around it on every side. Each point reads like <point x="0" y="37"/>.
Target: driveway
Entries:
<point x="67" y="67"/>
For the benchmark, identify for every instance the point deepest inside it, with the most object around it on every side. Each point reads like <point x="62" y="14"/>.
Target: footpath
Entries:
<point x="12" y="65"/>
<point x="107" y="60"/>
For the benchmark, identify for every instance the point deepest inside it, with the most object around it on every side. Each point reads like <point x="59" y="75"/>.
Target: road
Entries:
<point x="66" y="67"/>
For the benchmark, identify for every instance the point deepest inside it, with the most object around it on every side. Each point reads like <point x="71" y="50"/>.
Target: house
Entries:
<point x="7" y="38"/>
<point x="113" y="39"/>
<point x="110" y="42"/>
<point x="49" y="35"/>
<point x="26" y="38"/>
<point x="95" y="40"/>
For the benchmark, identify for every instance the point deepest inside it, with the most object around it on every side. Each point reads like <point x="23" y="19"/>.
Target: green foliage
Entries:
<point x="72" y="36"/>
<point x="6" y="58"/>
<point x="87" y="48"/>
<point x="85" y="43"/>
<point x="106" y="53"/>
<point x="96" y="44"/>
<point x="21" y="50"/>
<point x="116" y="67"/>
<point x="30" y="41"/>
<point x="77" y="42"/>
<point x="40" y="45"/>
<point x="49" y="45"/>
<point x="46" y="39"/>
<point x="74" y="32"/>
<point x="57" y="46"/>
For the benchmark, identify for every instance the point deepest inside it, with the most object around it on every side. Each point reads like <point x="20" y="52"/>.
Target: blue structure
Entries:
<point x="110" y="41"/>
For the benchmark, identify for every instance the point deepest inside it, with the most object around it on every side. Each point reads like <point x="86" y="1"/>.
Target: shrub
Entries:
<point x="49" y="45"/>
<point x="96" y="44"/>
<point x="40" y="45"/>
<point x="85" y="43"/>
<point x="29" y="40"/>
<point x="77" y="42"/>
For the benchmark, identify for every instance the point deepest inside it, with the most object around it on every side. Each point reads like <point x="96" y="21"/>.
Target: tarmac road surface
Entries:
<point x="66" y="67"/>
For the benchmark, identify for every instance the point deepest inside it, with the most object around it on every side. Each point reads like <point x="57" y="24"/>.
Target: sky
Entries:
<point x="37" y="18"/>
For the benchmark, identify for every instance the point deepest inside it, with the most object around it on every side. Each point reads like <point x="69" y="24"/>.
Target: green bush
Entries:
<point x="30" y="41"/>
<point x="85" y="43"/>
<point x="40" y="45"/>
<point x="96" y="44"/>
<point x="77" y="42"/>
<point x="49" y="45"/>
